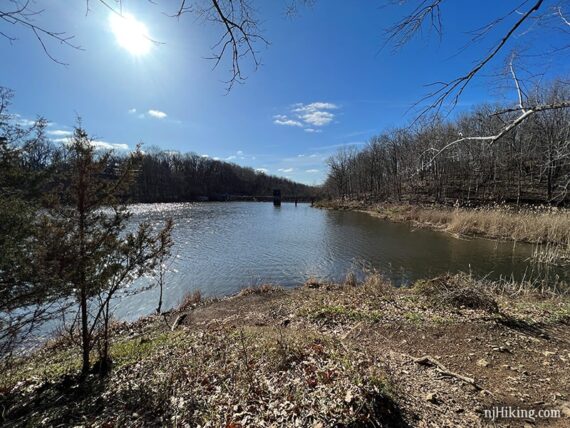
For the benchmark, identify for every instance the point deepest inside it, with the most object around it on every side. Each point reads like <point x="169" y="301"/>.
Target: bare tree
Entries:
<point x="240" y="33"/>
<point x="240" y="37"/>
<point x="529" y="163"/>
<point x="526" y="17"/>
<point x="24" y="14"/>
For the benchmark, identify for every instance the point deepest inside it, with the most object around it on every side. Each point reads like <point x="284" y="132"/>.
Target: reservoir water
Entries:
<point x="221" y="248"/>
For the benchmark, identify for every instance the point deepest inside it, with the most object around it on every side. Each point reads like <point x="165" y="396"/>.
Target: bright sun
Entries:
<point x="130" y="33"/>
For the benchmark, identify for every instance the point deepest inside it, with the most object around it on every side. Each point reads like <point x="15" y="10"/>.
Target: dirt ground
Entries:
<point x="319" y="355"/>
<point x="516" y="363"/>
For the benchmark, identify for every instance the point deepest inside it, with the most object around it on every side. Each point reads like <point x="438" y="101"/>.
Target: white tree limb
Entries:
<point x="493" y="138"/>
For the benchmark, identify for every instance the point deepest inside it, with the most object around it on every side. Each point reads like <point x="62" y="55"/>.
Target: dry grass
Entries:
<point x="536" y="225"/>
<point x="343" y="358"/>
<point x="550" y="254"/>
<point x="255" y="376"/>
<point x="377" y="286"/>
<point x="350" y="279"/>
<point x="459" y="291"/>
<point x="259" y="289"/>
<point x="189" y="301"/>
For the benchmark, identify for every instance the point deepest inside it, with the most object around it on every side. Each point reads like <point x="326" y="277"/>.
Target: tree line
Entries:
<point x="445" y="161"/>
<point x="162" y="175"/>
<point x="167" y="176"/>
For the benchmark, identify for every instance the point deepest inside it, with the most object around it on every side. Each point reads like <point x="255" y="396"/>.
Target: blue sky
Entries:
<point x="323" y="83"/>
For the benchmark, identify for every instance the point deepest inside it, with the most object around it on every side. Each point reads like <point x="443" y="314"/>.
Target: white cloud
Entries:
<point x="26" y="122"/>
<point x="302" y="108"/>
<point x="285" y="170"/>
<point x="65" y="138"/>
<point x="99" y="145"/>
<point x="281" y="119"/>
<point x="60" y="140"/>
<point x="312" y="171"/>
<point x="308" y="116"/>
<point x="318" y="118"/>
<point x="262" y="170"/>
<point x="60" y="133"/>
<point x="157" y="114"/>
<point x="132" y="110"/>
<point x="240" y="155"/>
<point x="104" y="145"/>
<point x="204" y="156"/>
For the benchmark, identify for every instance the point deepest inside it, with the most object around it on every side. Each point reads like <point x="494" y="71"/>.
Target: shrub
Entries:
<point x="459" y="291"/>
<point x="258" y="289"/>
<point x="190" y="300"/>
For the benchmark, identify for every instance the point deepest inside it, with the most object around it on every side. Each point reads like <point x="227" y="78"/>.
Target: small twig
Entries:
<point x="178" y="320"/>
<point x="429" y="361"/>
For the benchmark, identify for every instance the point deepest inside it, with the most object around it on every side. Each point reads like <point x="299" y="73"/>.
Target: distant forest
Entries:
<point x="162" y="176"/>
<point x="432" y="161"/>
<point x="172" y="177"/>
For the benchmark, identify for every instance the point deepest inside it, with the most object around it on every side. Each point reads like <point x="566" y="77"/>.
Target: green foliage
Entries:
<point x="24" y="280"/>
<point x="414" y="317"/>
<point x="65" y="234"/>
<point x="84" y="229"/>
<point x="340" y="312"/>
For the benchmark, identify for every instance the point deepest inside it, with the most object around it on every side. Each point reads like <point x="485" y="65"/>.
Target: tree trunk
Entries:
<point x="85" y="342"/>
<point x="85" y="336"/>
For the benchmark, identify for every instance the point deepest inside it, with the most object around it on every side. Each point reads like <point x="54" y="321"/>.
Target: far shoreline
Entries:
<point x="547" y="227"/>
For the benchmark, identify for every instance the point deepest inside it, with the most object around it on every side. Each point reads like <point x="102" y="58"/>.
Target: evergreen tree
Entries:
<point x="27" y="297"/>
<point x="86" y="237"/>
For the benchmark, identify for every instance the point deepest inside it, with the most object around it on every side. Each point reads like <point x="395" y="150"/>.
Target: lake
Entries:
<point x="223" y="247"/>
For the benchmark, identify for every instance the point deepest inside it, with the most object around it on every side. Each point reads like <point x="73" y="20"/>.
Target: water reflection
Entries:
<point x="223" y="247"/>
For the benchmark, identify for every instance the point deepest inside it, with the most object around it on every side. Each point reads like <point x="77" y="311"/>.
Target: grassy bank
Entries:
<point x="549" y="227"/>
<point x="353" y="354"/>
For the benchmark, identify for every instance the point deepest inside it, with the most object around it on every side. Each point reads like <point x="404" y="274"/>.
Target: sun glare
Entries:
<point x="130" y="34"/>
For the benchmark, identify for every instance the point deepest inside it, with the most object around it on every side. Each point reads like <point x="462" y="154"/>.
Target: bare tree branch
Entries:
<point x="453" y="89"/>
<point x="559" y="10"/>
<point x="490" y="139"/>
<point x="517" y="83"/>
<point x="241" y="33"/>
<point x="403" y="31"/>
<point x="23" y="15"/>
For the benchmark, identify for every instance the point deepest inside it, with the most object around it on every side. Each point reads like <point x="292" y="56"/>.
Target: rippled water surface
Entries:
<point x="221" y="248"/>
